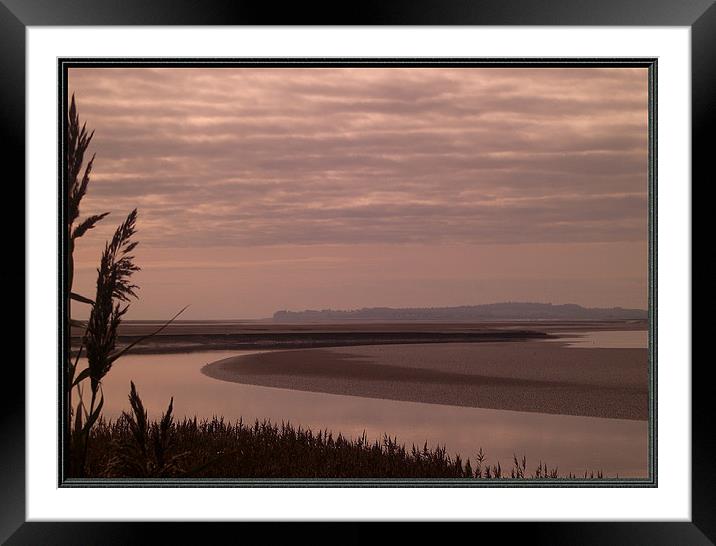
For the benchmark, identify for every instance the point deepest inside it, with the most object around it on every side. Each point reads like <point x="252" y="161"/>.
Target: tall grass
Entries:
<point x="218" y="449"/>
<point x="77" y="141"/>
<point x="134" y="447"/>
<point x="114" y="290"/>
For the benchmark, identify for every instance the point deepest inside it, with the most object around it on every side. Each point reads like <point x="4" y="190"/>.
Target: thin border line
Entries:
<point x="64" y="63"/>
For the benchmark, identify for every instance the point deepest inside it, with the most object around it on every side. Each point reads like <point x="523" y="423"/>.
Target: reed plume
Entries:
<point x="77" y="140"/>
<point x="114" y="290"/>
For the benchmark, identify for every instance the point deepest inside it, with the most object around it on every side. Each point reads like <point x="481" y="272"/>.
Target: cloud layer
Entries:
<point x="257" y="157"/>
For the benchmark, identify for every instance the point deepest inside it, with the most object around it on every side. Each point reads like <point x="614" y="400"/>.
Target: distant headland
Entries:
<point x="491" y="311"/>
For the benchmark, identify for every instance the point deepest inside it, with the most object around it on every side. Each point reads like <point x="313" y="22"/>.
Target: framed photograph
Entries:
<point x="362" y="273"/>
<point x="379" y="191"/>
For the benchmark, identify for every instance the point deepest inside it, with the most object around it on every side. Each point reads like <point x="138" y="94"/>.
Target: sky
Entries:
<point x="266" y="189"/>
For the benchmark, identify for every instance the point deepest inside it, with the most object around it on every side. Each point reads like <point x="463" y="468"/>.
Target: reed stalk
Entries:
<point x="114" y="290"/>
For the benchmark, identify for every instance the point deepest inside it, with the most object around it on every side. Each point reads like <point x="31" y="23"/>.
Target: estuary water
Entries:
<point x="571" y="443"/>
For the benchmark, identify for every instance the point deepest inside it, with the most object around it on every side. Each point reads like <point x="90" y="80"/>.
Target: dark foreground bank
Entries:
<point x="216" y="449"/>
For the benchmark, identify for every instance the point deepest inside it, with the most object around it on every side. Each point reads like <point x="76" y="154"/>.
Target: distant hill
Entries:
<point x="492" y="311"/>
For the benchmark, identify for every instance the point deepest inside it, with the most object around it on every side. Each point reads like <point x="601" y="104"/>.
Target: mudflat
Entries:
<point x="533" y="376"/>
<point x="188" y="336"/>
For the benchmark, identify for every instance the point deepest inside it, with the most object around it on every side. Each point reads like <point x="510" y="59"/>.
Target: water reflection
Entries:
<point x="574" y="444"/>
<point x="605" y="339"/>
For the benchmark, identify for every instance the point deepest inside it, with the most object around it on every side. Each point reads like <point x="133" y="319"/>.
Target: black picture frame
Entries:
<point x="16" y="15"/>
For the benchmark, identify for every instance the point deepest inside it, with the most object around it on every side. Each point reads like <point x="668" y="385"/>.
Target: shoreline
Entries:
<point x="314" y="340"/>
<point x="186" y="337"/>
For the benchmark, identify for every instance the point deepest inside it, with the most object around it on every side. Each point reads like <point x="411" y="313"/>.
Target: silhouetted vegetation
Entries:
<point x="106" y="311"/>
<point x="133" y="447"/>
<point x="110" y="304"/>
